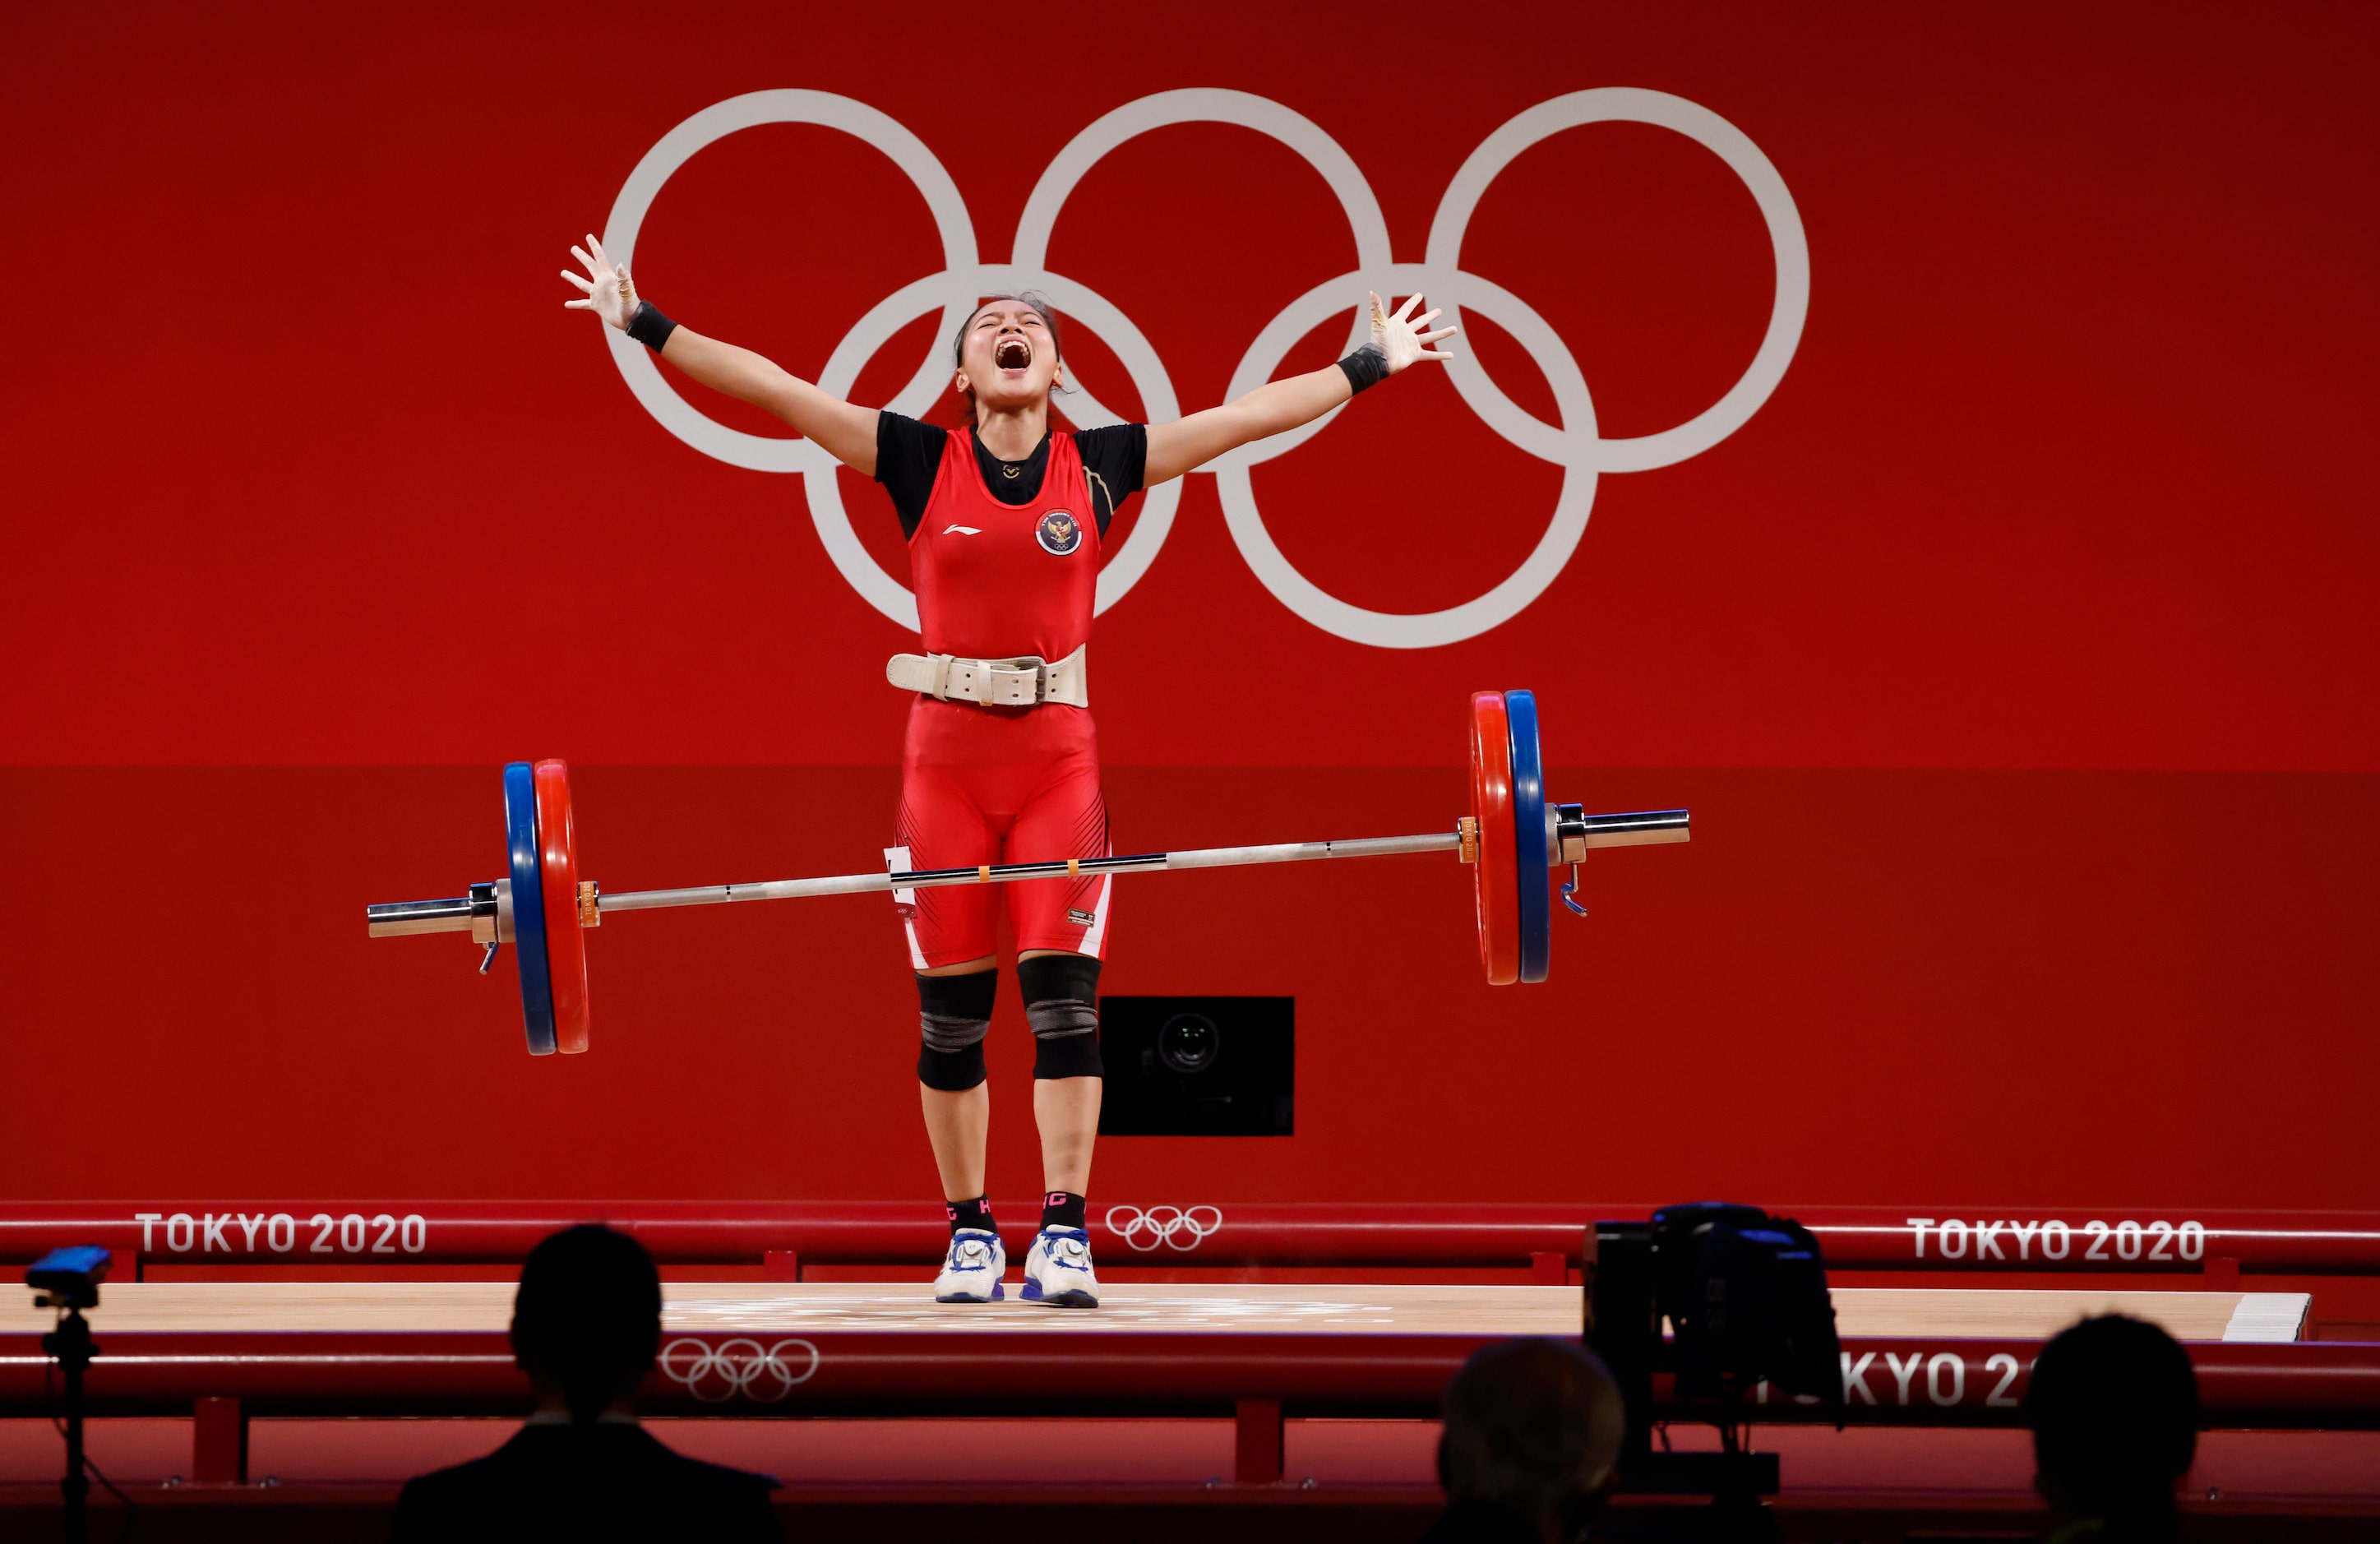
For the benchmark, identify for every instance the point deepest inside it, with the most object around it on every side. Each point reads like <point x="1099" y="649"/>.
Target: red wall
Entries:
<point x="2015" y="654"/>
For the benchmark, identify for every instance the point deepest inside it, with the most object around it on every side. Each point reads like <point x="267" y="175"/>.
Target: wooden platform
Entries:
<point x="255" y="1307"/>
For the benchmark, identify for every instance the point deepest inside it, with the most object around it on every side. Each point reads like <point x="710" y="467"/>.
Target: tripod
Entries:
<point x="71" y="1344"/>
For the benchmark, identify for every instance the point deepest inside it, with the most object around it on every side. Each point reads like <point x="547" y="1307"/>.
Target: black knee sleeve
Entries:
<point x="953" y="1011"/>
<point x="1062" y="1003"/>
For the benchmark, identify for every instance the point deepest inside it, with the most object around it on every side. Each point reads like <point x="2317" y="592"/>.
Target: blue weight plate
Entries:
<point x="1529" y="837"/>
<point x="528" y="905"/>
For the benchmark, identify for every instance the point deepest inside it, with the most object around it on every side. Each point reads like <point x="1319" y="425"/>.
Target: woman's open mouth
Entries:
<point x="1013" y="353"/>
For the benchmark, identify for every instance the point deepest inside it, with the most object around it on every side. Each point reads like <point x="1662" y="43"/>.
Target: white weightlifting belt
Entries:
<point x="1017" y="682"/>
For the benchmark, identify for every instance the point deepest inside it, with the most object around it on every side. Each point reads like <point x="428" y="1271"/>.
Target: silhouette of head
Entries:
<point x="1532" y="1426"/>
<point x="586" y="1320"/>
<point x="2114" y="1410"/>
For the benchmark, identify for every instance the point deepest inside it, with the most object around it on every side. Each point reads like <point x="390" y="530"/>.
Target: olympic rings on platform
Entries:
<point x="742" y="1365"/>
<point x="1573" y="445"/>
<point x="1164" y="1226"/>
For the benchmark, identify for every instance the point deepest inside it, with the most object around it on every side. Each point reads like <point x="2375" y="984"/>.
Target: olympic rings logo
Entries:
<point x="717" y="1374"/>
<point x="1162" y="1225"/>
<point x="1573" y="444"/>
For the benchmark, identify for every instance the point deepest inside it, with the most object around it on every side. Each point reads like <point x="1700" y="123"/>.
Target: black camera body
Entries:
<point x="1744" y="1297"/>
<point x="1198" y="1066"/>
<point x="69" y="1278"/>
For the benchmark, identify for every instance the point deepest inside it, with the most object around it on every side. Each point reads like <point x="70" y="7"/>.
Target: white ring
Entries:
<point x="760" y="452"/>
<point x="739" y="1363"/>
<point x="1786" y="240"/>
<point x="1162" y="1225"/>
<point x="1416" y="629"/>
<point x="1209" y="105"/>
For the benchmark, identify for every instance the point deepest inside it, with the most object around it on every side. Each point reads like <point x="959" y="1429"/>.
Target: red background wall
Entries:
<point x="2016" y="656"/>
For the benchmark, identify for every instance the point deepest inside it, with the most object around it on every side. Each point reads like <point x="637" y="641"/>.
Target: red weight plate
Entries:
<point x="566" y="945"/>
<point x="1494" y="882"/>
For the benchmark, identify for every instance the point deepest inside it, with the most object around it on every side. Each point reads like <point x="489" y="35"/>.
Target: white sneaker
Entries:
<point x="971" y="1271"/>
<point x="1058" y="1270"/>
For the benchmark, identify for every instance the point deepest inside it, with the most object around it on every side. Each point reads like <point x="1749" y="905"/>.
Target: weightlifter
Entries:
<point x="1004" y="521"/>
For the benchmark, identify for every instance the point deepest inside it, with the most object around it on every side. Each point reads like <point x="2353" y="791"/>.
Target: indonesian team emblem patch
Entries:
<point x="1059" y="532"/>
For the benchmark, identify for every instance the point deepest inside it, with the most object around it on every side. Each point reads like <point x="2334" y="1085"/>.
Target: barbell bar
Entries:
<point x="1512" y="839"/>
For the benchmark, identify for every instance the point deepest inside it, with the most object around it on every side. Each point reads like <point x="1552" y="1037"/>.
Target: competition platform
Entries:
<point x="1189" y="1326"/>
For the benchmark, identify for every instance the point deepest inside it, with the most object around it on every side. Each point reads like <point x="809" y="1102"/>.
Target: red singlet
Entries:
<point x="1004" y="784"/>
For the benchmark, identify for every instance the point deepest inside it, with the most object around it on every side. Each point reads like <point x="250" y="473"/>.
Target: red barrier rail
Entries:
<point x="2172" y="1239"/>
<point x="1898" y="1381"/>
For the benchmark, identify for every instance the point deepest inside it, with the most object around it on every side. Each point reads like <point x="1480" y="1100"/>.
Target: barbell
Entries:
<point x="1514" y="839"/>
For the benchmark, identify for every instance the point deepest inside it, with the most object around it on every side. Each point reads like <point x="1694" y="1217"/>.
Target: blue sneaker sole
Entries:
<point x="1075" y="1299"/>
<point x="996" y="1290"/>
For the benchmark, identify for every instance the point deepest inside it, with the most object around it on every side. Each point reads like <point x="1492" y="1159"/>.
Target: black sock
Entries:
<point x="1061" y="1209"/>
<point x="975" y="1214"/>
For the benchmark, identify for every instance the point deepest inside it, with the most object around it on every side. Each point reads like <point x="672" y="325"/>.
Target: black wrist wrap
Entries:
<point x="650" y="327"/>
<point x="1366" y="367"/>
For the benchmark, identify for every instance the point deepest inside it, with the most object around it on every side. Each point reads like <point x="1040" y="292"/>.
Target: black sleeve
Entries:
<point x="908" y="454"/>
<point x="1114" y="461"/>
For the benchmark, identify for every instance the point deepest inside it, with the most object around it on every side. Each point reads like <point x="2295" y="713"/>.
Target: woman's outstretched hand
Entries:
<point x="1400" y="337"/>
<point x="612" y="294"/>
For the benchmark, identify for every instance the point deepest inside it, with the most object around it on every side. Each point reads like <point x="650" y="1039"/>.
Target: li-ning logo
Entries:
<point x="717" y="1374"/>
<point x="1164" y="1226"/>
<point x="1571" y="443"/>
<point x="1059" y="532"/>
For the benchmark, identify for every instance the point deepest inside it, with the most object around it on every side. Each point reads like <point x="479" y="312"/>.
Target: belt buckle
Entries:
<point x="1016" y="666"/>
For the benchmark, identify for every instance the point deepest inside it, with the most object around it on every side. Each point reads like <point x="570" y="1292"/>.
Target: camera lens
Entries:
<point x="1188" y="1042"/>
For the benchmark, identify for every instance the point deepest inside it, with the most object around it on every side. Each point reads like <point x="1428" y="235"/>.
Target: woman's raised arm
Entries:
<point x="845" y="432"/>
<point x="1188" y="444"/>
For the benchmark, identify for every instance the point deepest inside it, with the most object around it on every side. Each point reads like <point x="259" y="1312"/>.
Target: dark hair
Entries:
<point x="1033" y="298"/>
<point x="1533" y="1426"/>
<point x="588" y="1316"/>
<point x="2113" y="1405"/>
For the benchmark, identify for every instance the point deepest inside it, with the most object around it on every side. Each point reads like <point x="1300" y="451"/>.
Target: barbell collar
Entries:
<point x="397" y="918"/>
<point x="479" y="913"/>
<point x="1639" y="829"/>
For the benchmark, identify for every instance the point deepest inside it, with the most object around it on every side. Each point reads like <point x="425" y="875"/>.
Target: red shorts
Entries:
<point x="1003" y="785"/>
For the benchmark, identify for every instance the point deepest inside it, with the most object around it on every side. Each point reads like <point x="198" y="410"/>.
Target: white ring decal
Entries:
<point x="1791" y="250"/>
<point x="1161" y="1225"/>
<point x="1574" y="444"/>
<point x="716" y="122"/>
<point x="717" y="1374"/>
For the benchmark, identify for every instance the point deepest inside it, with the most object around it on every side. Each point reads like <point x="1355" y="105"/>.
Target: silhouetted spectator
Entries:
<point x="2114" y="1409"/>
<point x="586" y="1326"/>
<point x="1533" y="1427"/>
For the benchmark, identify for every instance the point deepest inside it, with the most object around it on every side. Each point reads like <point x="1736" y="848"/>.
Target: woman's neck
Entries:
<point x="1012" y="434"/>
